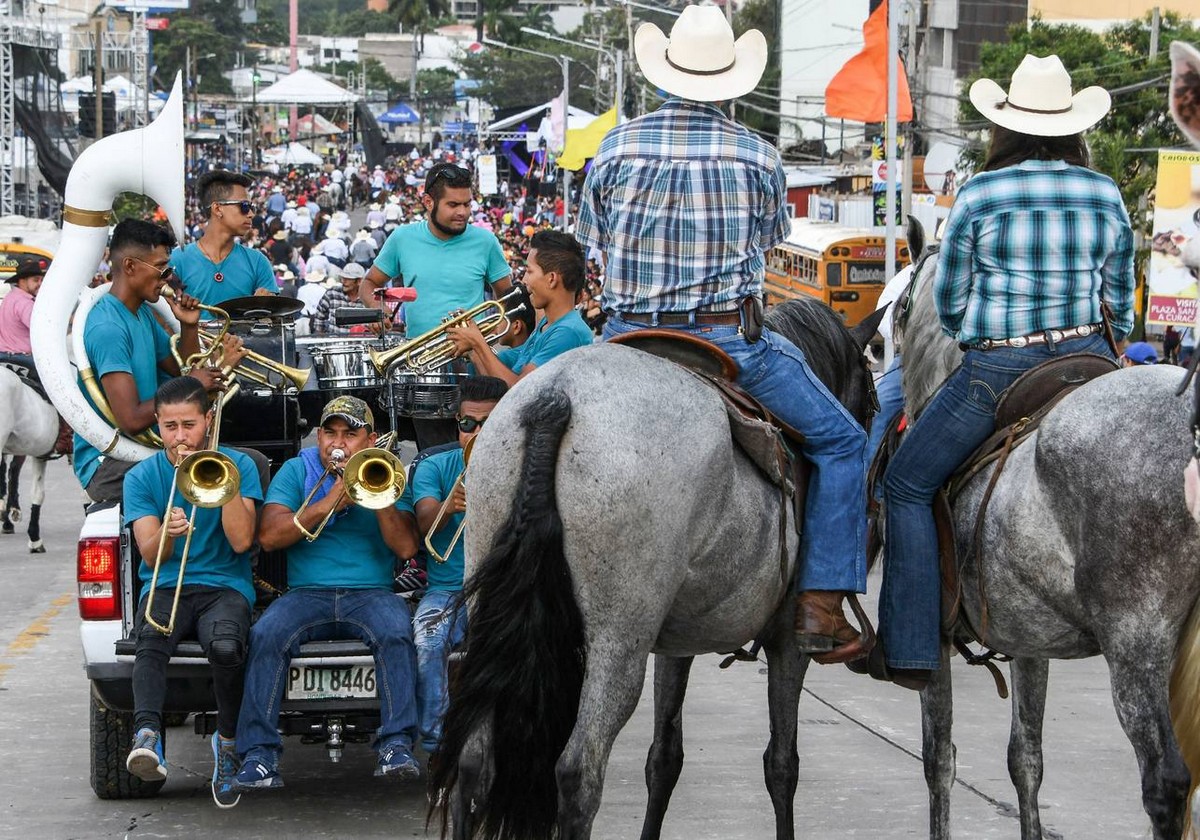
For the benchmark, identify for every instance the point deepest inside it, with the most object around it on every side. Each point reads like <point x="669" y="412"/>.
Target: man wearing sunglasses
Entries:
<point x="129" y="351"/>
<point x="450" y="262"/>
<point x="440" y="621"/>
<point x="217" y="267"/>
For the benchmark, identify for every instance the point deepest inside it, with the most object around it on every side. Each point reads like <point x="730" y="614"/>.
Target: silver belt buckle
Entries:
<point x="1019" y="342"/>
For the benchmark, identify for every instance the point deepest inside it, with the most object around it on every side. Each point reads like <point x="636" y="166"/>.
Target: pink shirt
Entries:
<point x="15" y="312"/>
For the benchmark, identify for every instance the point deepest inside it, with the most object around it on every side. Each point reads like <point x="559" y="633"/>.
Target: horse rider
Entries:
<point x="450" y="262"/>
<point x="216" y="267"/>
<point x="684" y="202"/>
<point x="440" y="620"/>
<point x="339" y="582"/>
<point x="1034" y="245"/>
<point x="554" y="276"/>
<point x="127" y="348"/>
<point x="218" y="591"/>
<point x="16" y="310"/>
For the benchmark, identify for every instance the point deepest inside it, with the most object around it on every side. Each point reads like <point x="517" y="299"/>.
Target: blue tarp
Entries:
<point x="399" y="114"/>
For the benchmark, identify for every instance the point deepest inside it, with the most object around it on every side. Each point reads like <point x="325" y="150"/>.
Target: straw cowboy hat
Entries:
<point x="701" y="61"/>
<point x="1039" y="100"/>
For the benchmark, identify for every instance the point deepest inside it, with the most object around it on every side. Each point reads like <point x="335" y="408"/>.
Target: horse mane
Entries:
<point x="832" y="351"/>
<point x="929" y="354"/>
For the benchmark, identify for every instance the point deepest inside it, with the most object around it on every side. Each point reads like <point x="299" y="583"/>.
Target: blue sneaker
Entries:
<point x="257" y="774"/>
<point x="225" y="766"/>
<point x="146" y="760"/>
<point x="396" y="760"/>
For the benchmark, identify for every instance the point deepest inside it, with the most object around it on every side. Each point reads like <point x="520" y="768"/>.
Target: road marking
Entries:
<point x="28" y="638"/>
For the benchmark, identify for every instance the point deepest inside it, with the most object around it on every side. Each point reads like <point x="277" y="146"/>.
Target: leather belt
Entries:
<point x="729" y="318"/>
<point x="1043" y="337"/>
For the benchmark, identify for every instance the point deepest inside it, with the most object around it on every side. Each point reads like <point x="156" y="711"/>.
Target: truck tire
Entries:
<point x="111" y="737"/>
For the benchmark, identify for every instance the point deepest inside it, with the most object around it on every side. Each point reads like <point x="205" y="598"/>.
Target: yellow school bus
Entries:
<point x="842" y="266"/>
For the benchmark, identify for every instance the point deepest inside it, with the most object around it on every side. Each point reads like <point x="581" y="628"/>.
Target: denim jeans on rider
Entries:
<point x="378" y="617"/>
<point x="953" y="425"/>
<point x="773" y="370"/>
<point x="889" y="390"/>
<point x="439" y="624"/>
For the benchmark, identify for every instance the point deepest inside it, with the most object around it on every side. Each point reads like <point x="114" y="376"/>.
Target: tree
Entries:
<point x="211" y="51"/>
<point x="509" y="79"/>
<point x="270" y="29"/>
<point x="490" y="14"/>
<point x="759" y="110"/>
<point x="358" y="23"/>
<point x="418" y="15"/>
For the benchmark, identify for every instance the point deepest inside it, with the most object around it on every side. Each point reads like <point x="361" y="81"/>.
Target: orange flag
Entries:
<point x="859" y="90"/>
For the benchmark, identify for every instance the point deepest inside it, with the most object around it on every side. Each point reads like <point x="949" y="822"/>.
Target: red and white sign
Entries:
<point x="157" y="23"/>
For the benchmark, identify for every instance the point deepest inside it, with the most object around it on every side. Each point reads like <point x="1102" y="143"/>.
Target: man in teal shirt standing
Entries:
<point x="554" y="276"/>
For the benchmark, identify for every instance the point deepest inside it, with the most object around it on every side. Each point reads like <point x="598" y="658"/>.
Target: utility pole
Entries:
<point x="893" y="81"/>
<point x="98" y="78"/>
<point x="1155" y="28"/>
<point x="620" y="83"/>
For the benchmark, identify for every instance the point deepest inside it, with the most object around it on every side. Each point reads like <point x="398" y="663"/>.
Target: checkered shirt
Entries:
<point x="684" y="202"/>
<point x="322" y="321"/>
<point x="1034" y="247"/>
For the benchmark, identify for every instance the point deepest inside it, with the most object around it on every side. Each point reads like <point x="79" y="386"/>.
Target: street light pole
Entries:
<point x="617" y="61"/>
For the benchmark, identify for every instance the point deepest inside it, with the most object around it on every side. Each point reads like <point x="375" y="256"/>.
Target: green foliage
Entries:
<point x="510" y="79"/>
<point x="762" y="113"/>
<point x="271" y="28"/>
<point x="213" y="45"/>
<point x="129" y="205"/>
<point x="1117" y="59"/>
<point x="419" y="15"/>
<point x="358" y="23"/>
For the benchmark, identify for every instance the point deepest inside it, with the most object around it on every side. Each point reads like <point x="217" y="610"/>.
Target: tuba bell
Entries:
<point x="148" y="161"/>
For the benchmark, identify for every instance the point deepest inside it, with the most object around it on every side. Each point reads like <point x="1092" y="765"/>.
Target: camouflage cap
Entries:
<point x="354" y="411"/>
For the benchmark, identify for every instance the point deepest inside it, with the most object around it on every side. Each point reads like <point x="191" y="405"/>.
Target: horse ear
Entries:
<point x="1185" y="89"/>
<point x="915" y="234"/>
<point x="865" y="330"/>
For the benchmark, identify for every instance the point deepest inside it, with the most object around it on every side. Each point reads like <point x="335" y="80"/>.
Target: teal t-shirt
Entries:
<point x="118" y="341"/>
<point x="447" y="274"/>
<point x="211" y="560"/>
<point x="350" y="553"/>
<point x="548" y="341"/>
<point x="434" y="479"/>
<point x="242" y="272"/>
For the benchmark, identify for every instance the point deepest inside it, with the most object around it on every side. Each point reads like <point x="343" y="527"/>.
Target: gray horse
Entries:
<point x="1087" y="548"/>
<point x="614" y="519"/>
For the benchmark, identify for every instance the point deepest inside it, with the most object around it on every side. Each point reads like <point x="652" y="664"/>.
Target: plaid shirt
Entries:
<point x="1034" y="247"/>
<point x="322" y="321"/>
<point x="684" y="202"/>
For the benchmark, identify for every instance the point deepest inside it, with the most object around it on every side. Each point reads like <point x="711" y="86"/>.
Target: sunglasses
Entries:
<point x="449" y="171"/>
<point x="246" y="207"/>
<point x="466" y="425"/>
<point x="163" y="273"/>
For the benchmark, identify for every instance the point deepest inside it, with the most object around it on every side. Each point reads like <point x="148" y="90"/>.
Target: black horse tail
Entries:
<point x="523" y="671"/>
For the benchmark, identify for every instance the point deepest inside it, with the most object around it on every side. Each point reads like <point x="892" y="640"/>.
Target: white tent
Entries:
<point x="305" y="87"/>
<point x="577" y="118"/>
<point x="295" y="154"/>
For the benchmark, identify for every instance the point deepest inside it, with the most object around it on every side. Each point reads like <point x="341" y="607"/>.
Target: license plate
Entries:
<point x="356" y="681"/>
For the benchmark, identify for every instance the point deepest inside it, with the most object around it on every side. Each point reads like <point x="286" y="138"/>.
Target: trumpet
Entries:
<point x="372" y="478"/>
<point x="433" y="349"/>
<point x="445" y="508"/>
<point x="205" y="479"/>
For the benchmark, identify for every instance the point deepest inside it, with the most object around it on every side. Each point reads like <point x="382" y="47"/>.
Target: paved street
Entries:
<point x="861" y="775"/>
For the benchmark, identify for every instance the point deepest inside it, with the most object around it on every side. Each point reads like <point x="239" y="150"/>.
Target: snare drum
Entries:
<point x="433" y="396"/>
<point x="343" y="364"/>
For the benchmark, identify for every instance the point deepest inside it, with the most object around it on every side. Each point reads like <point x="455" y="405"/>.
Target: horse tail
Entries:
<point x="524" y="667"/>
<point x="1185" y="703"/>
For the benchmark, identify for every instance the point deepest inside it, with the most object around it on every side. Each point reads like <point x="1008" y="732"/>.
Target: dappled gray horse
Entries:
<point x="610" y="517"/>
<point x="28" y="426"/>
<point x="1087" y="548"/>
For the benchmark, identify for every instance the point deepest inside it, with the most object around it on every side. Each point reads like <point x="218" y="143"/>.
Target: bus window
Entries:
<point x="833" y="276"/>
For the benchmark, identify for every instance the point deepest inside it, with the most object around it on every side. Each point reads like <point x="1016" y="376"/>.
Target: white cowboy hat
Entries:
<point x="1039" y="100"/>
<point x="701" y="61"/>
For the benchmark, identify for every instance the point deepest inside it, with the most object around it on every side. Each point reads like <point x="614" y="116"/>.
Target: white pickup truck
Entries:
<point x="330" y="697"/>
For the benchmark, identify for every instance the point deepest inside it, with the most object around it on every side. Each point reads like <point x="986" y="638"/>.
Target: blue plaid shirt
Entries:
<point x="684" y="202"/>
<point x="1034" y="247"/>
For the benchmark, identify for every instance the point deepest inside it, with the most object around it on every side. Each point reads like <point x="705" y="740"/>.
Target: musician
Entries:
<point x="554" y="277"/>
<point x="339" y="583"/>
<point x="217" y="267"/>
<point x="450" y="262"/>
<point x="129" y="351"/>
<point x="440" y="621"/>
<point x="343" y="292"/>
<point x="16" y="309"/>
<point x="685" y="203"/>
<point x="217" y="594"/>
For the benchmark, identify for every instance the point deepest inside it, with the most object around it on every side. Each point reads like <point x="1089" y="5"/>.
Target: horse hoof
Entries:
<point x="37" y="548"/>
<point x="7" y="528"/>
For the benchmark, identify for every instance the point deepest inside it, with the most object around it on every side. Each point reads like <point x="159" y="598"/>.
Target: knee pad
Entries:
<point x="226" y="652"/>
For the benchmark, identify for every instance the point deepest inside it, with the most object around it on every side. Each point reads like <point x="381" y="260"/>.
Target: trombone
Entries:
<point x="433" y="349"/>
<point x="372" y="478"/>
<point x="445" y="508"/>
<point x="206" y="479"/>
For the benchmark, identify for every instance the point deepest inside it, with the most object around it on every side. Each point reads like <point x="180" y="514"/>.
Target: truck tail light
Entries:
<point x="98" y="574"/>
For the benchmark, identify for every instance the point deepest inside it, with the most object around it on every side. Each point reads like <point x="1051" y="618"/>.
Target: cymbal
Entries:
<point x="258" y="307"/>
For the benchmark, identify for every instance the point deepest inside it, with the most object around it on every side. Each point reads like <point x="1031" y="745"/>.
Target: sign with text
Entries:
<point x="1171" y="285"/>
<point x="489" y="183"/>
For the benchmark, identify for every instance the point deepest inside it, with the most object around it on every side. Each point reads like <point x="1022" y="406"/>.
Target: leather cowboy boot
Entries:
<point x="821" y="625"/>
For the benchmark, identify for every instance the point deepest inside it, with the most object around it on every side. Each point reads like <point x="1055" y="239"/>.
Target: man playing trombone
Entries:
<point x="341" y="558"/>
<point x="216" y="591"/>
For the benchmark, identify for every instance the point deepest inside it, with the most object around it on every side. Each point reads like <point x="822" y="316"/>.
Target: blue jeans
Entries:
<point x="773" y="370"/>
<point x="440" y="623"/>
<point x="953" y="425"/>
<point x="379" y="618"/>
<point x="889" y="389"/>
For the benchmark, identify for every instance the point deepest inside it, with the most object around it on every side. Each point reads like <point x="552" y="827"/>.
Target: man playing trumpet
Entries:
<point x="217" y="590"/>
<point x="339" y="583"/>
